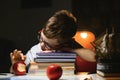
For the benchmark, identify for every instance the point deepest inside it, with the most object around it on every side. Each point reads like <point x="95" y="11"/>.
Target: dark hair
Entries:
<point x="62" y="25"/>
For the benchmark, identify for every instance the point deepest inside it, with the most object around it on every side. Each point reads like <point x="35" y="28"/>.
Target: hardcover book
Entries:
<point x="108" y="74"/>
<point x="62" y="54"/>
<point x="98" y="77"/>
<point x="53" y="60"/>
<point x="55" y="57"/>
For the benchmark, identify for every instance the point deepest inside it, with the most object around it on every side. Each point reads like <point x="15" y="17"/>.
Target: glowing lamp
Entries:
<point x="85" y="38"/>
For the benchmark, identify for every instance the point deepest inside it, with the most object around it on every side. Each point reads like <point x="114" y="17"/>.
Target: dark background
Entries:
<point x="20" y="21"/>
<point x="97" y="15"/>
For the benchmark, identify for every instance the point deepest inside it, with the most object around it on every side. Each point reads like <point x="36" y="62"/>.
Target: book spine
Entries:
<point x="56" y="54"/>
<point x="56" y="57"/>
<point x="54" y="60"/>
<point x="60" y="63"/>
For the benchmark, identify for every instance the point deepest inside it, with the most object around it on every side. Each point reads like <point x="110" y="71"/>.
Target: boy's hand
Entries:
<point x="16" y="56"/>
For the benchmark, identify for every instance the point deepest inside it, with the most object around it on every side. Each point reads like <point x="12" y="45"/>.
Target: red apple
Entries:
<point x="54" y="72"/>
<point x="19" y="68"/>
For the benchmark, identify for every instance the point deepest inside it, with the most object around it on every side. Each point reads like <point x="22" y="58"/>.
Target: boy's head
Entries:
<point x="60" y="27"/>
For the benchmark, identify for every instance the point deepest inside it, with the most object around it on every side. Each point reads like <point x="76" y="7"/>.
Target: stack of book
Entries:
<point x="105" y="73"/>
<point x="65" y="59"/>
<point x="108" y="69"/>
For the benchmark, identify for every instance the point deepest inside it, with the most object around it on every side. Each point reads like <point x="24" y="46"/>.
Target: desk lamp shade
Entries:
<point x="85" y="38"/>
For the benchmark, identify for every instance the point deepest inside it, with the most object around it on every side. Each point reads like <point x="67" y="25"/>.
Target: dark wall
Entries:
<point x="20" y="21"/>
<point x="6" y="47"/>
<point x="97" y="15"/>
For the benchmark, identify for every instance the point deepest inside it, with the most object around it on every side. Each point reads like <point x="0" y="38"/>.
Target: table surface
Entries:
<point x="8" y="76"/>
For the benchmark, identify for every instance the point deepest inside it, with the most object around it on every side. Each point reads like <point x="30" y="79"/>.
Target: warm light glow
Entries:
<point x="83" y="35"/>
<point x="85" y="38"/>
